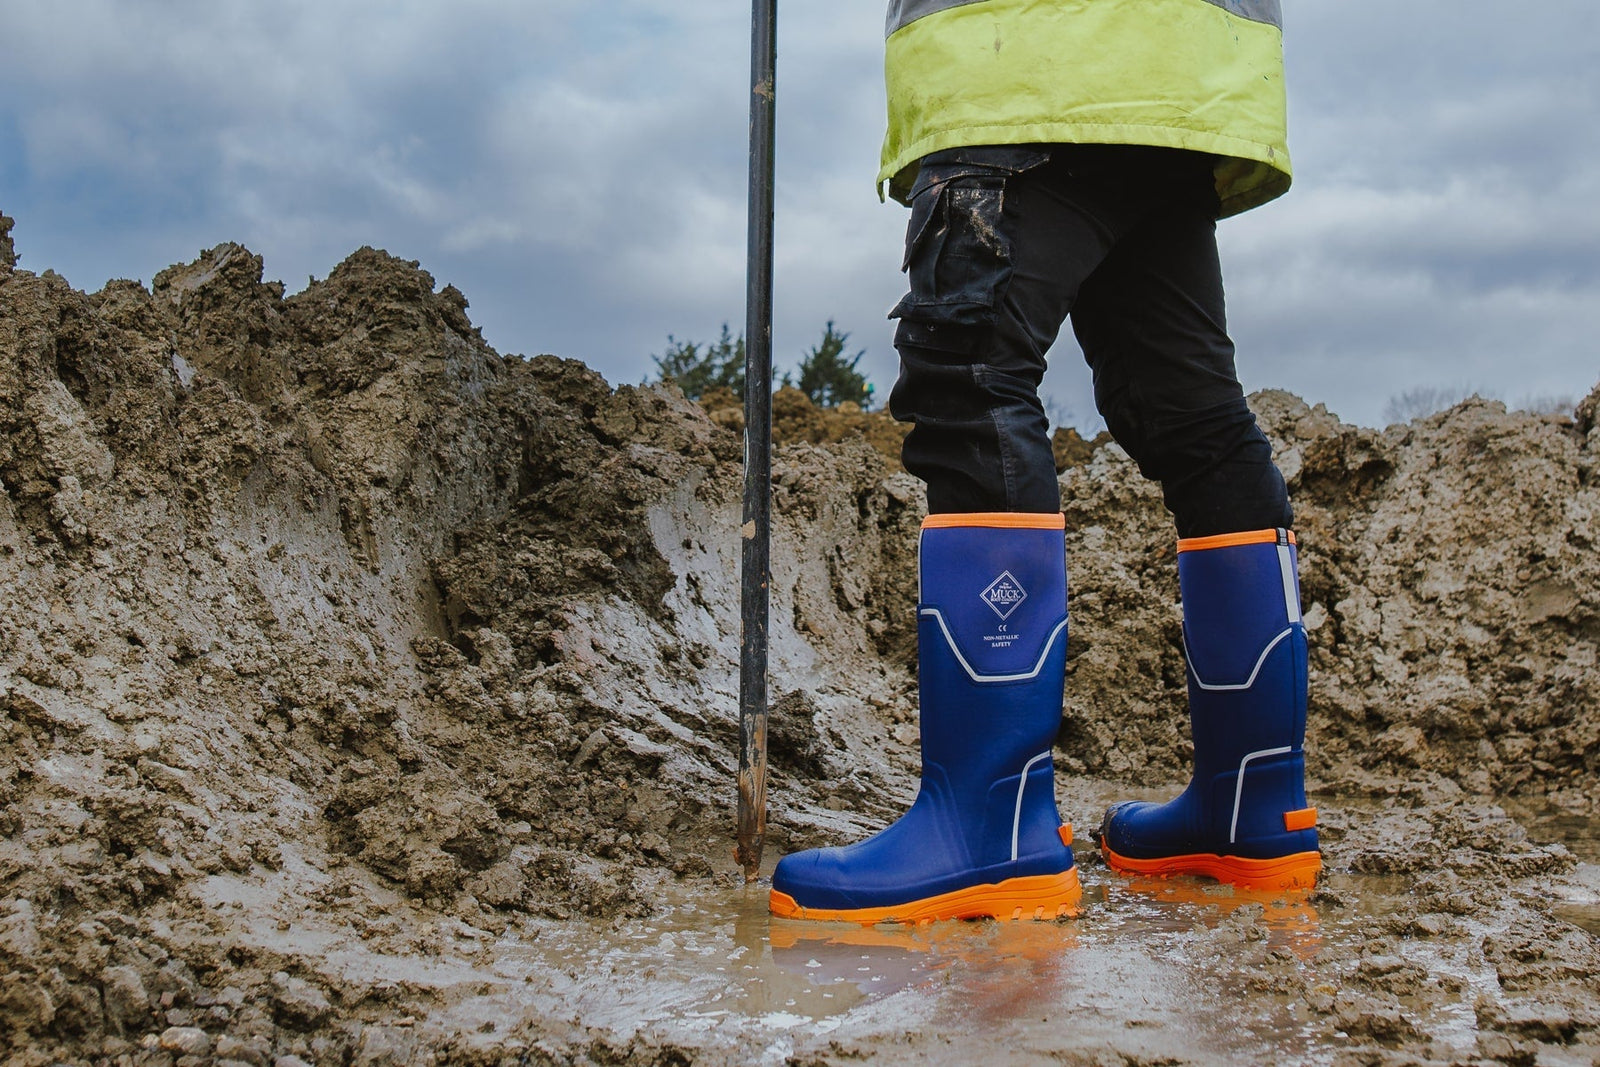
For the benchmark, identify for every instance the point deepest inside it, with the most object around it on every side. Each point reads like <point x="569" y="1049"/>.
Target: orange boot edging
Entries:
<point x="1039" y="897"/>
<point x="1294" y="872"/>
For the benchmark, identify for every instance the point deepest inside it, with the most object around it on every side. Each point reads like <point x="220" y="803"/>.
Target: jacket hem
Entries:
<point x="1272" y="180"/>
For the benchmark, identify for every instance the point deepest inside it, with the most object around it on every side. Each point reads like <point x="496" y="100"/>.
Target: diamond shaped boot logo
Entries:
<point x="1005" y="594"/>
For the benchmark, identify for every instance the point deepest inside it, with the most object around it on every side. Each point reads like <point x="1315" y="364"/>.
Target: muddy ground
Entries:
<point x="370" y="697"/>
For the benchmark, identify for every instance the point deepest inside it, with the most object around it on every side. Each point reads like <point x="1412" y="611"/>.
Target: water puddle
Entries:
<point x="1175" y="969"/>
<point x="1151" y="971"/>
<point x="1149" y="965"/>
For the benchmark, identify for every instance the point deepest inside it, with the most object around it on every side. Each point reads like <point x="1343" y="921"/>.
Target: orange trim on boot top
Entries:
<point x="1039" y="896"/>
<point x="1297" y="871"/>
<point x="1003" y="520"/>
<point x="1231" y="540"/>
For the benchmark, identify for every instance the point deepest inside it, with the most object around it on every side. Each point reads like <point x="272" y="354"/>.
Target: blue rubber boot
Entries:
<point x="983" y="837"/>
<point x="1243" y="818"/>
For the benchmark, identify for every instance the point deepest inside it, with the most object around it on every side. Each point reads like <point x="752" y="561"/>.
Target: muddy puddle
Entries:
<point x="1151" y="971"/>
<point x="1141" y="968"/>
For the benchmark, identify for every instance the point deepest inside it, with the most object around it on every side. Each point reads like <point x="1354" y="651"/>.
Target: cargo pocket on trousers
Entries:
<point x="958" y="257"/>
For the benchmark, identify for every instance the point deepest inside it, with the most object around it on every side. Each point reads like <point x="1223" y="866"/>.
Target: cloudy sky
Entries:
<point x="578" y="170"/>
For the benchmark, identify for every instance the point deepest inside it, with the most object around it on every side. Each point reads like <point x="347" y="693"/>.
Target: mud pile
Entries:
<point x="317" y="607"/>
<point x="298" y="586"/>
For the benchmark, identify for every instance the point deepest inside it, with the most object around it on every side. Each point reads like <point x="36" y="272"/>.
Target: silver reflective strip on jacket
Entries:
<point x="905" y="12"/>
<point x="1268" y="11"/>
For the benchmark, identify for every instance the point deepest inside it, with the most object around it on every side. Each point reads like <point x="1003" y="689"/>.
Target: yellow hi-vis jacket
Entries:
<point x="1205" y="75"/>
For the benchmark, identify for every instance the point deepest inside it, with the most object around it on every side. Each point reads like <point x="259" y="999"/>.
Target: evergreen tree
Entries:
<point x="830" y="379"/>
<point x="826" y="376"/>
<point x="700" y="368"/>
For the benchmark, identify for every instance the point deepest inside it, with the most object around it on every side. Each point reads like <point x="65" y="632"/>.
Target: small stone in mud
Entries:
<point x="1541" y="1022"/>
<point x="1427" y="926"/>
<point x="127" y="1001"/>
<point x="1383" y="1023"/>
<point x="232" y="1048"/>
<point x="1501" y="1049"/>
<point x="384" y="1046"/>
<point x="592" y="744"/>
<point x="186" y="1040"/>
<point x="1391" y="973"/>
<point x="298" y="1002"/>
<point x="501" y="886"/>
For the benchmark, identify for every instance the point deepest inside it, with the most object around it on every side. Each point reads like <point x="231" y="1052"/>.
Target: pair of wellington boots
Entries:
<point x="983" y="838"/>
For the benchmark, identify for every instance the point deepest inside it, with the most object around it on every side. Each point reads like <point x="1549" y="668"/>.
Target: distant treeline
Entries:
<point x="826" y="375"/>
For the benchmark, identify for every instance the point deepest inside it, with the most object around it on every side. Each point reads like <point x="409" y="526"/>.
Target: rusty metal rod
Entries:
<point x="755" y="561"/>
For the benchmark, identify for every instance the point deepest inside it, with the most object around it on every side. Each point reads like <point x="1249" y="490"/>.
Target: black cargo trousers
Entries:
<point x="1005" y="243"/>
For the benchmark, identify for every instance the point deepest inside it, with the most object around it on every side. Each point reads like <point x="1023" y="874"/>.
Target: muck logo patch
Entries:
<point x="1005" y="594"/>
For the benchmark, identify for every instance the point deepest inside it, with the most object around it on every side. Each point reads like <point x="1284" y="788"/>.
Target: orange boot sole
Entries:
<point x="1040" y="897"/>
<point x="1292" y="873"/>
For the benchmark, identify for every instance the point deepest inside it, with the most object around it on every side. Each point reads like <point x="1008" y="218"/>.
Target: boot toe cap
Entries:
<point x="1120" y="824"/>
<point x="811" y="877"/>
<point x="795" y="872"/>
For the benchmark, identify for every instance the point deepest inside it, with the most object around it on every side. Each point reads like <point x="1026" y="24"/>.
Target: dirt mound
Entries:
<point x="318" y="607"/>
<point x="297" y="584"/>
<point x="795" y="420"/>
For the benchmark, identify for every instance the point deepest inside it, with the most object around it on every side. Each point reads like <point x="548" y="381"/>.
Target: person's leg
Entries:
<point x="998" y="243"/>
<point x="1152" y="325"/>
<point x="1243" y="817"/>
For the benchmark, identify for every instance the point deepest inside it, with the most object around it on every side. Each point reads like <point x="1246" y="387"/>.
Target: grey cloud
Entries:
<point x="578" y="170"/>
<point x="1444" y="222"/>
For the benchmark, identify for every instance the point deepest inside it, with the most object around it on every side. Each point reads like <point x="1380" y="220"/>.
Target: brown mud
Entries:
<point x="370" y="697"/>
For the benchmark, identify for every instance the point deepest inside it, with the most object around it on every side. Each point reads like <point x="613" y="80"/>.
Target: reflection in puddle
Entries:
<point x="1148" y="954"/>
<point x="1157" y="970"/>
<point x="852" y="964"/>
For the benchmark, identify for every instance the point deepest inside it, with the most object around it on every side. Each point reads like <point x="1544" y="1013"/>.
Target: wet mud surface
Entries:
<point x="369" y="697"/>
<point x="1406" y="967"/>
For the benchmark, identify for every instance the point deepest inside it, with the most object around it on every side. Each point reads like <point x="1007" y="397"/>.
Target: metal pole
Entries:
<point x="755" y="571"/>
